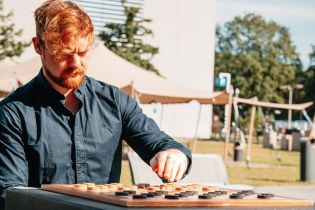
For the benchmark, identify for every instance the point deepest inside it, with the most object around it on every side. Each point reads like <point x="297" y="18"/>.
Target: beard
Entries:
<point x="70" y="78"/>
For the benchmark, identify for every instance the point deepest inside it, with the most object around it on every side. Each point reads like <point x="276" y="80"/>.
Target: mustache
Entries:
<point x="73" y="70"/>
<point x="70" y="72"/>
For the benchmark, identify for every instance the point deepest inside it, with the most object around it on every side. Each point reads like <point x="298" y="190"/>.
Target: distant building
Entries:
<point x="108" y="11"/>
<point x="184" y="31"/>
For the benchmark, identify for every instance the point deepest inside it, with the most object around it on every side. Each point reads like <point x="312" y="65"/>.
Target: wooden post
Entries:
<point x="194" y="144"/>
<point x="250" y="133"/>
<point x="227" y="138"/>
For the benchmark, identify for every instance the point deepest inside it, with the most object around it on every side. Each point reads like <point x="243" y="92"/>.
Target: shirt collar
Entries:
<point x="54" y="95"/>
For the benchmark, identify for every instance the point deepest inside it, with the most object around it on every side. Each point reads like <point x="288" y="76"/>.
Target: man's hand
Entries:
<point x="170" y="164"/>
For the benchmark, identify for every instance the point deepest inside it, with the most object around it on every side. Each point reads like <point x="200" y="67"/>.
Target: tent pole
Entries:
<point x="228" y="128"/>
<point x="250" y="133"/>
<point x="194" y="143"/>
<point x="133" y="96"/>
<point x="132" y="90"/>
<point x="161" y="116"/>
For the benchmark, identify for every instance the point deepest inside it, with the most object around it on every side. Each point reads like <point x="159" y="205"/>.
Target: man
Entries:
<point x="64" y="127"/>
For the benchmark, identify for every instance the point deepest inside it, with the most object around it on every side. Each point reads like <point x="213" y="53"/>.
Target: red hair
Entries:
<point x="59" y="24"/>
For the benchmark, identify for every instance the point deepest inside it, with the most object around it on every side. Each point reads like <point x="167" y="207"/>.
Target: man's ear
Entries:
<point x="36" y="45"/>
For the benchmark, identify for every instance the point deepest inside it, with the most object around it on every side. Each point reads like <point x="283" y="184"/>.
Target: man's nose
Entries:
<point x="74" y="61"/>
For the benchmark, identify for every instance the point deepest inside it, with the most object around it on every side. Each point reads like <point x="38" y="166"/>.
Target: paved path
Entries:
<point x="302" y="192"/>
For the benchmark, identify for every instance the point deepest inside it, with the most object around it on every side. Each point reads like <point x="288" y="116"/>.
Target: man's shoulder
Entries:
<point x="99" y="84"/>
<point x="103" y="88"/>
<point x="109" y="94"/>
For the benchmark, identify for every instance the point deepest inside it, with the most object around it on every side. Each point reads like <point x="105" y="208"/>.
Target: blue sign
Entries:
<point x="220" y="82"/>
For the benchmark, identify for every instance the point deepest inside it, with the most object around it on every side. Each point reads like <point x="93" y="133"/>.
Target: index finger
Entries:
<point x="153" y="163"/>
<point x="161" y="159"/>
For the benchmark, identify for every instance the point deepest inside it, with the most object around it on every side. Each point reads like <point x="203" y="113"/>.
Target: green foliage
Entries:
<point x="260" y="56"/>
<point x="126" y="39"/>
<point x="308" y="79"/>
<point x="312" y="56"/>
<point x="9" y="47"/>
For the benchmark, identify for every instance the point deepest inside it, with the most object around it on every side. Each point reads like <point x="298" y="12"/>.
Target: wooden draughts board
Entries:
<point x="145" y="195"/>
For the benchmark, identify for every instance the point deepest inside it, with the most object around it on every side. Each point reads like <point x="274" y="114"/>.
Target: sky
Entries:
<point x="297" y="15"/>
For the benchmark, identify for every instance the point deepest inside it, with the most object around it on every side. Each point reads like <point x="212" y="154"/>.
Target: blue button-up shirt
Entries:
<point x="41" y="141"/>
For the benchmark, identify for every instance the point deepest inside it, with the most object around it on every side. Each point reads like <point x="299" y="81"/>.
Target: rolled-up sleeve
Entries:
<point x="142" y="134"/>
<point x="13" y="165"/>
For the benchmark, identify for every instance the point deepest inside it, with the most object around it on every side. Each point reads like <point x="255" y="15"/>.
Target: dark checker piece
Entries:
<point x="162" y="191"/>
<point x="151" y="194"/>
<point x="236" y="196"/>
<point x="192" y="192"/>
<point x="265" y="195"/>
<point x="121" y="193"/>
<point x="156" y="193"/>
<point x="189" y="193"/>
<point x="174" y="197"/>
<point x="243" y="193"/>
<point x="251" y="192"/>
<point x="221" y="192"/>
<point x="205" y="196"/>
<point x="217" y="193"/>
<point x="247" y="192"/>
<point x="131" y="192"/>
<point x="139" y="197"/>
<point x="213" y="194"/>
<point x="182" y="195"/>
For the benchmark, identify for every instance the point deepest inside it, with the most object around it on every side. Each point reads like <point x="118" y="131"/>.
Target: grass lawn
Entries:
<point x="268" y="167"/>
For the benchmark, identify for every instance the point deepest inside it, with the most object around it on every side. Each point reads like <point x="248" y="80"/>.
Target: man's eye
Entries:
<point x="82" y="53"/>
<point x="63" y="55"/>
<point x="60" y="57"/>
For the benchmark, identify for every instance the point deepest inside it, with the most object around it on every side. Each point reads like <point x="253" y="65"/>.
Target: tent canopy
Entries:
<point x="108" y="67"/>
<point x="298" y="107"/>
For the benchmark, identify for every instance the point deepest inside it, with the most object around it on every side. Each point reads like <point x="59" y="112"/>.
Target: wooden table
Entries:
<point x="36" y="199"/>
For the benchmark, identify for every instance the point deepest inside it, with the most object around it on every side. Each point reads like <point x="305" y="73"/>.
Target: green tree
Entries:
<point x="308" y="79"/>
<point x="260" y="56"/>
<point x="9" y="46"/>
<point x="312" y="56"/>
<point x="126" y="39"/>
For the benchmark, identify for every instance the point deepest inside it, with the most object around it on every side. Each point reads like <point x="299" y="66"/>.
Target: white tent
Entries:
<point x="108" y="67"/>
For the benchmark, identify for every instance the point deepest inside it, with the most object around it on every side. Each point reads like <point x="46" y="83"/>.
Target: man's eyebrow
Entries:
<point x="83" y="51"/>
<point x="71" y="52"/>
